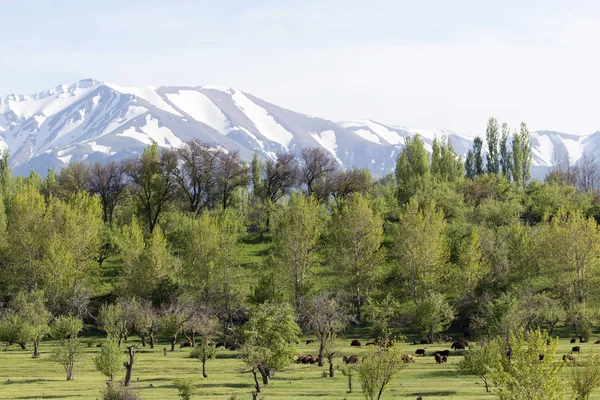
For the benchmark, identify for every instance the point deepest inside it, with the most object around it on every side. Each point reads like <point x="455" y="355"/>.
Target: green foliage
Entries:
<point x="270" y="336"/>
<point x="433" y="315"/>
<point x="478" y="156"/>
<point x="356" y="253"/>
<point x="70" y="353"/>
<point x="109" y="360"/>
<point x="491" y="135"/>
<point x="186" y="387"/>
<point x="378" y="367"/>
<point x="585" y="376"/>
<point x="119" y="392"/>
<point x="412" y="167"/>
<point x="523" y="376"/>
<point x="478" y="360"/>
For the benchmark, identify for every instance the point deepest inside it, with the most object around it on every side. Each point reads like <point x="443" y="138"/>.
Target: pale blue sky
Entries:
<point x="428" y="64"/>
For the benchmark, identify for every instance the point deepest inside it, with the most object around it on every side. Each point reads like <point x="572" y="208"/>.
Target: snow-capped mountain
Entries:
<point x="96" y="121"/>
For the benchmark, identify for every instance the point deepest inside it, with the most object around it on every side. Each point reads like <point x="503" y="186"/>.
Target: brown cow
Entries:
<point x="438" y="358"/>
<point x="355" y="343"/>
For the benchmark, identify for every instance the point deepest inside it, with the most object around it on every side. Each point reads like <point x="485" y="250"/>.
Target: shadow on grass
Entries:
<point x="442" y="374"/>
<point x="27" y="381"/>
<point x="43" y="397"/>
<point x="444" y="393"/>
<point x="227" y="356"/>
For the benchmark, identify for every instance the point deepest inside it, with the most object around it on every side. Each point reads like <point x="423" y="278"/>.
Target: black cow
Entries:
<point x="576" y="349"/>
<point x="420" y="352"/>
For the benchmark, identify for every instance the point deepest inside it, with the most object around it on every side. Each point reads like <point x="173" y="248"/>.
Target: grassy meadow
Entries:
<point x="22" y="377"/>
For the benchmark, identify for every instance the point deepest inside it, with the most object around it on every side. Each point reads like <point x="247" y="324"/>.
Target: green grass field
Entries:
<point x="22" y="377"/>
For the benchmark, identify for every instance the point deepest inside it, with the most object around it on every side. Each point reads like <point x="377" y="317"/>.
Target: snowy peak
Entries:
<point x="95" y="121"/>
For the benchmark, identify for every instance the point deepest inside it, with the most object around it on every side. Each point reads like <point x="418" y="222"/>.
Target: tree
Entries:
<point x="380" y="364"/>
<point x="491" y="135"/>
<point x="107" y="180"/>
<point x="296" y="230"/>
<point x="108" y="360"/>
<point x="34" y="318"/>
<point x="232" y="174"/>
<point x="113" y="319"/>
<point x="144" y="320"/>
<point x="70" y="353"/>
<point x="478" y="155"/>
<point x="433" y="315"/>
<point x="270" y="336"/>
<point x="281" y="175"/>
<point x="347" y="182"/>
<point x="327" y="318"/>
<point x="171" y="322"/>
<point x="478" y="359"/>
<point x="208" y="326"/>
<point x="470" y="165"/>
<point x="153" y="175"/>
<point x="186" y="387"/>
<point x="585" y="376"/>
<point x="446" y="165"/>
<point x="195" y="175"/>
<point x="129" y="365"/>
<point x="356" y="238"/>
<point x="420" y="249"/>
<point x="525" y="142"/>
<point x="317" y="168"/>
<point x="73" y="179"/>
<point x="505" y="154"/>
<point x="525" y="369"/>
<point x="412" y="167"/>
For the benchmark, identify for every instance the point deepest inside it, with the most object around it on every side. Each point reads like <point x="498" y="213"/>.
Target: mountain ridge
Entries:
<point x="93" y="120"/>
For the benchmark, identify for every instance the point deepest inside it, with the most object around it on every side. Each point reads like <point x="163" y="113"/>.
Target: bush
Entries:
<point x="119" y="392"/>
<point x="186" y="386"/>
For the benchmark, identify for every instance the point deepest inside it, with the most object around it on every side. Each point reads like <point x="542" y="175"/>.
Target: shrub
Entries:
<point x="119" y="392"/>
<point x="186" y="386"/>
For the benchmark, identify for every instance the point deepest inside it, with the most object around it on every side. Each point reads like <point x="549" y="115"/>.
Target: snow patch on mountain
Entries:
<point x="201" y="108"/>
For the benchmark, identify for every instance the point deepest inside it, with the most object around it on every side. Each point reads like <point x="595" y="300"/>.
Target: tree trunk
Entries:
<point x="331" y="370"/>
<point x="254" y="396"/>
<point x="23" y="346"/>
<point x="358" y="316"/>
<point x="350" y="382"/>
<point x="204" y="365"/>
<point x="128" y="366"/>
<point x="151" y="340"/>
<point x="143" y="341"/>
<point x="256" y="384"/>
<point x="321" y="348"/>
<point x="265" y="375"/>
<point x="36" y="346"/>
<point x="173" y="341"/>
<point x="193" y="339"/>
<point x="487" y="386"/>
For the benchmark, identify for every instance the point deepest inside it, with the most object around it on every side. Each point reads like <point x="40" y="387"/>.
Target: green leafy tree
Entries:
<point x="478" y="359"/>
<point x="270" y="336"/>
<point x="108" y="361"/>
<point x="446" y="165"/>
<point x="412" y="167"/>
<point x="470" y="165"/>
<point x="186" y="386"/>
<point x="420" y="249"/>
<point x="433" y="315"/>
<point x="70" y="353"/>
<point x="356" y="238"/>
<point x="378" y="367"/>
<point x="296" y="230"/>
<point x="204" y="349"/>
<point x="505" y="154"/>
<point x="528" y="371"/>
<point x="478" y="155"/>
<point x="585" y="376"/>
<point x="491" y="135"/>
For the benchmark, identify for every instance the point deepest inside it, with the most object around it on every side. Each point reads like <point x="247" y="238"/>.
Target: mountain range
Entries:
<point x="96" y="121"/>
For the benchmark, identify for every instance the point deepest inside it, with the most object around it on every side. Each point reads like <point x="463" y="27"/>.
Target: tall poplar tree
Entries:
<point x="505" y="155"/>
<point x="491" y="135"/>
<point x="412" y="167"/>
<point x="478" y="155"/>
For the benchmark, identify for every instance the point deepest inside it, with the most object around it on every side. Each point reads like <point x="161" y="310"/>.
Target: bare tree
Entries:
<point x="281" y="175"/>
<point x="354" y="180"/>
<point x="317" y="168"/>
<point x="232" y="173"/>
<point x="588" y="173"/>
<point x="196" y="175"/>
<point x="108" y="182"/>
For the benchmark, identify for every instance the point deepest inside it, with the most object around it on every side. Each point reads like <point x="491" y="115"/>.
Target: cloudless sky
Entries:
<point x="429" y="64"/>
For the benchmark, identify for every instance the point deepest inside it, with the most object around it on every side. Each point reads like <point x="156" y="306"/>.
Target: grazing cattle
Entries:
<point x="309" y="341"/>
<point x="355" y="343"/>
<point x="220" y="344"/>
<point x="420" y="352"/>
<point x="576" y="349"/>
<point x="353" y="359"/>
<point x="423" y="341"/>
<point x="573" y="340"/>
<point x="438" y="358"/>
<point x="185" y="344"/>
<point x="458" y="345"/>
<point x="407" y="358"/>
<point x="597" y="342"/>
<point x="444" y="359"/>
<point x="299" y="359"/>
<point x="569" y="357"/>
<point x="444" y="352"/>
<point x="371" y="344"/>
<point x="232" y="346"/>
<point x="448" y="339"/>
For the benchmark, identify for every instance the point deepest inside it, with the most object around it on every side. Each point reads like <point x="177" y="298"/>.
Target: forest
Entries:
<point x="193" y="247"/>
